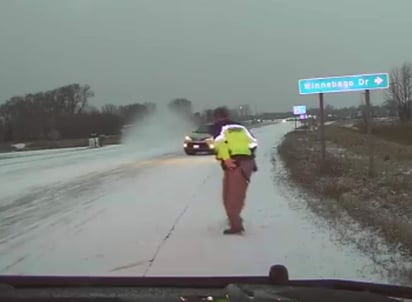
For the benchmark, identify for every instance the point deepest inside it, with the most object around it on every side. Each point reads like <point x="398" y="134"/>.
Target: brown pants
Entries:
<point x="235" y="184"/>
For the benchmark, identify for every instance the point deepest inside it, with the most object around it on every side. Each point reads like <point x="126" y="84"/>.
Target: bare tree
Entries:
<point x="391" y="108"/>
<point x="110" y="109"/>
<point x="399" y="94"/>
<point x="83" y="95"/>
<point x="181" y="105"/>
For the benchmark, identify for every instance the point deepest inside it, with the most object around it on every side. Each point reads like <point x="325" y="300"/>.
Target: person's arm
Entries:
<point x="253" y="143"/>
<point x="222" y="149"/>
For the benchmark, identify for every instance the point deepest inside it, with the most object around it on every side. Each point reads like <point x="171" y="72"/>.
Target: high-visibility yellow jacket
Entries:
<point x="233" y="139"/>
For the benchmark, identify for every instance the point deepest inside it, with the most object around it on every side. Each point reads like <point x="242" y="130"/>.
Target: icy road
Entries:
<point x="117" y="211"/>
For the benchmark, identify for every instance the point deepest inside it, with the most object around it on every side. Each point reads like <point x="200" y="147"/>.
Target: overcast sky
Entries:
<point x="211" y="51"/>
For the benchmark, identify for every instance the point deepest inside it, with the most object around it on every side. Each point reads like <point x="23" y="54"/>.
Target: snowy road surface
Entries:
<point x="116" y="212"/>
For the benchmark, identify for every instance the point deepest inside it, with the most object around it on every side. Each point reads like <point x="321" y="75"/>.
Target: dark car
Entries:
<point x="199" y="141"/>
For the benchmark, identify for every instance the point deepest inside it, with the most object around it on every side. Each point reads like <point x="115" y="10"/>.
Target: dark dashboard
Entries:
<point x="275" y="287"/>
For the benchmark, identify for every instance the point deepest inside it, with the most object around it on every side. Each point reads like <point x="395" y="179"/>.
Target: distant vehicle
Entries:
<point x="19" y="147"/>
<point x="199" y="141"/>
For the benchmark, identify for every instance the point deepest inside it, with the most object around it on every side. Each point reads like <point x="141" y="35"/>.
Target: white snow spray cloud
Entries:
<point x="161" y="132"/>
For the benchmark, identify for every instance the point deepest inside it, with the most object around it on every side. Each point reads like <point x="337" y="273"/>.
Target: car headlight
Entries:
<point x="188" y="138"/>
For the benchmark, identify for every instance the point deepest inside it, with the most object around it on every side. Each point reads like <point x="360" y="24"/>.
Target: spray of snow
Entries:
<point x="161" y="132"/>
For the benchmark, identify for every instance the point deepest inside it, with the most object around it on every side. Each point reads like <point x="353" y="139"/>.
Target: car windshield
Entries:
<point x="203" y="129"/>
<point x="101" y="173"/>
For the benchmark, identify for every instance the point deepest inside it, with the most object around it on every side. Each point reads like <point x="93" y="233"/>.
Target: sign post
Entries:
<point x="369" y="133"/>
<point x="322" y="126"/>
<point x="297" y="111"/>
<point x="304" y="119"/>
<point x="347" y="83"/>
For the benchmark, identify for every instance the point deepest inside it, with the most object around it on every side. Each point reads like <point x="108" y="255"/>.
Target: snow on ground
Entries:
<point x="20" y="154"/>
<point x="26" y="172"/>
<point x="276" y="233"/>
<point x="33" y="173"/>
<point x="160" y="214"/>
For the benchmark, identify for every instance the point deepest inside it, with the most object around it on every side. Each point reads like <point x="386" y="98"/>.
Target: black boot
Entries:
<point x="231" y="231"/>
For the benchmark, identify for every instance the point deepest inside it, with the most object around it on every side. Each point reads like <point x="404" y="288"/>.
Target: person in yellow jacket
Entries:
<point x="235" y="148"/>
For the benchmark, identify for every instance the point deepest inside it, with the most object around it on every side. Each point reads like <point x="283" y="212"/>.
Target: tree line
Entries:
<point x="399" y="94"/>
<point x="66" y="112"/>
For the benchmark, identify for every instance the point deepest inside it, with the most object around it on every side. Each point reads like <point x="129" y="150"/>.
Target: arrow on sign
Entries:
<point x="378" y="80"/>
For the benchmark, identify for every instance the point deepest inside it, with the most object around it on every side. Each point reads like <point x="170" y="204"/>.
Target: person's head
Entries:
<point x="221" y="113"/>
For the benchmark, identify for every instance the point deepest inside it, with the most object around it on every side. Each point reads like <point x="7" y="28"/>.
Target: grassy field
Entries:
<point x="391" y="131"/>
<point x="340" y="183"/>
